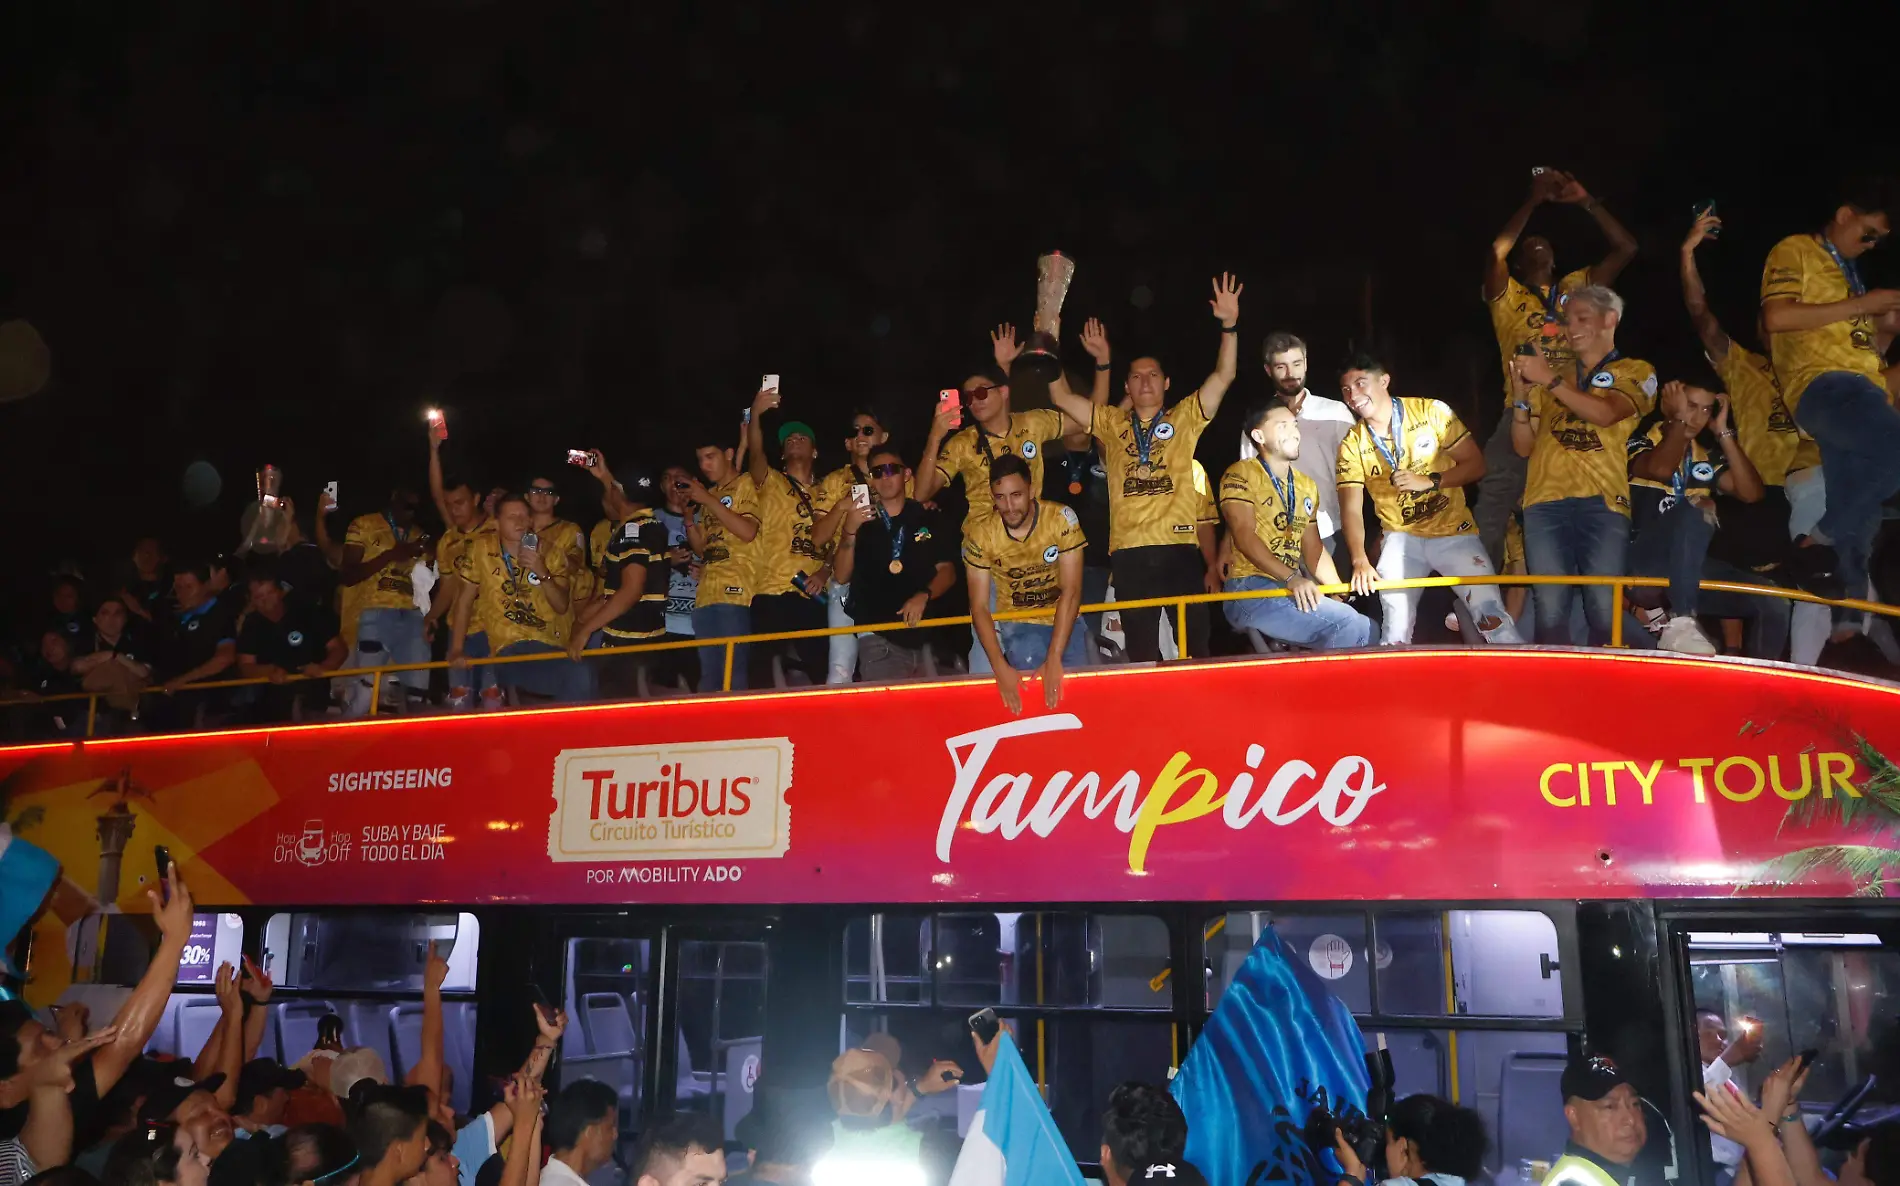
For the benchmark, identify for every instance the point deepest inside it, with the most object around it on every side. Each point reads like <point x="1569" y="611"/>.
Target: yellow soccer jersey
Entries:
<point x="727" y="578"/>
<point x="1426" y="430"/>
<point x="1024" y="570"/>
<point x="788" y="510"/>
<point x="968" y="451"/>
<point x="1279" y="526"/>
<point x="1573" y="458"/>
<point x="1150" y="503"/>
<point x="1761" y="418"/>
<point x="1799" y="267"/>
<point x="392" y="587"/>
<point x="511" y="607"/>
<point x="1522" y="315"/>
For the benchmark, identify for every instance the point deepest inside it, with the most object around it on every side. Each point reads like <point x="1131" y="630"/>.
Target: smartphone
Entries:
<point x="329" y="492"/>
<point x="1807" y="1059"/>
<point x="1706" y="206"/>
<point x="162" y="856"/>
<point x="984" y="1025"/>
<point x="531" y="541"/>
<point x="768" y="383"/>
<point x="1525" y="349"/>
<point x="582" y="457"/>
<point x="950" y="399"/>
<point x="439" y="424"/>
<point x="1538" y="170"/>
<point x="861" y="497"/>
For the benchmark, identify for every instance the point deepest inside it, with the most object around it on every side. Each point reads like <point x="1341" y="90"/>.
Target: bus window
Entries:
<point x="884" y="959"/>
<point x="1503" y="963"/>
<point x="1508" y="1077"/>
<point x="721" y="1009"/>
<point x="1333" y="945"/>
<point x="1809" y="991"/>
<point x="607" y="991"/>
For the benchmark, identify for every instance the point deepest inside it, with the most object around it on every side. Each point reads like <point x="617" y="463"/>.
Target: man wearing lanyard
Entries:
<point x="1414" y="457"/>
<point x="1526" y="296"/>
<point x="1032" y="550"/>
<point x="379" y="556"/>
<point x="789" y="591"/>
<point x="1679" y="455"/>
<point x="867" y="433"/>
<point x="1822" y="321"/>
<point x="1324" y="423"/>
<point x="1153" y="546"/>
<point x="1270" y="508"/>
<point x="1574" y="425"/>
<point x="895" y="563"/>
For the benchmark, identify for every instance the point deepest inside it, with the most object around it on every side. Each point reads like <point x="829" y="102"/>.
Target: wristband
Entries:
<point x="1230" y="329"/>
<point x="1103" y="366"/>
<point x="1438" y="480"/>
<point x="1726" y="433"/>
<point x="1522" y="405"/>
<point x="1792" y="1118"/>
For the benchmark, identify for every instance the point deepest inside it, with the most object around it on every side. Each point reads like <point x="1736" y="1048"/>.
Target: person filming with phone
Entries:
<point x="893" y="558"/>
<point x="1427" y="1139"/>
<point x="519" y="592"/>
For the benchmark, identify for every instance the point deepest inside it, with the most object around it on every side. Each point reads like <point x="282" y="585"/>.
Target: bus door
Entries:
<point x="711" y="1019"/>
<point x="1826" y="981"/>
<point x="608" y="983"/>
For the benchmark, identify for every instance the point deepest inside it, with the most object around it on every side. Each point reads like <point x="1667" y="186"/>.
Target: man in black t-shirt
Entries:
<point x="199" y="643"/>
<point x="631" y="608"/>
<point x="306" y="577"/>
<point x="282" y="638"/>
<point x="896" y="562"/>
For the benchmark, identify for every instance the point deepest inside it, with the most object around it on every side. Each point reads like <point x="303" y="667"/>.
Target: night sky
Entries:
<point x="274" y="232"/>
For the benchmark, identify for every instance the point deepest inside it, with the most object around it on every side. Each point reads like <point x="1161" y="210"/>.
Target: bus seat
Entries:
<point x="405" y="1036"/>
<point x="458" y="1050"/>
<point x="1531" y="1123"/>
<point x="297" y="1028"/>
<point x="366" y="1023"/>
<point x="612" y="1046"/>
<point x="195" y="1020"/>
<point x="689" y="1084"/>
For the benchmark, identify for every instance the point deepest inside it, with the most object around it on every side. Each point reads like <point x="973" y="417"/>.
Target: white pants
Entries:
<point x="1811" y="625"/>
<point x="1404" y="556"/>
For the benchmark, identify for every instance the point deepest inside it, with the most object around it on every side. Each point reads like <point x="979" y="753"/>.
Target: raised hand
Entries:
<point x="1226" y="300"/>
<point x="764" y="401"/>
<point x="1728" y="1113"/>
<point x="1571" y="191"/>
<point x="1782" y="1087"/>
<point x="1546" y="185"/>
<point x="56" y="1069"/>
<point x="1719" y="421"/>
<point x="1533" y="368"/>
<point x="552" y="1026"/>
<point x="173" y="917"/>
<point x="1003" y="345"/>
<point x="226" y="988"/>
<point x="435" y="973"/>
<point x="1095" y="340"/>
<point x="1706" y="226"/>
<point x="260" y="986"/>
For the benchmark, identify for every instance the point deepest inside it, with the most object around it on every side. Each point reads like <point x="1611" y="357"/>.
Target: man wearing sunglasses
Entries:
<point x="556" y="534"/>
<point x="865" y="436"/>
<point x="894" y="562"/>
<point x="1823" y="321"/>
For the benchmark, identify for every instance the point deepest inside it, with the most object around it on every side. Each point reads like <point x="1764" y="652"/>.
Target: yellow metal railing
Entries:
<point x="731" y="644"/>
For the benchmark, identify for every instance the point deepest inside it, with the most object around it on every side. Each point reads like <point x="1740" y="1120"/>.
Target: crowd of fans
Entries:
<point x="85" y="1107"/>
<point x="1599" y="468"/>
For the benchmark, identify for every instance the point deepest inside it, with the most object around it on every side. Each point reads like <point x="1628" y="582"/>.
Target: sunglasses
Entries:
<point x="889" y="469"/>
<point x="864" y="430"/>
<point x="976" y="393"/>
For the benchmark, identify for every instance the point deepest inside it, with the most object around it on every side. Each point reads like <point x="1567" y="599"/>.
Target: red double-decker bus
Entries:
<point x="1495" y="858"/>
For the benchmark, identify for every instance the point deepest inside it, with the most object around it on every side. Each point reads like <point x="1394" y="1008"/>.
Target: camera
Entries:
<point x="1364" y="1134"/>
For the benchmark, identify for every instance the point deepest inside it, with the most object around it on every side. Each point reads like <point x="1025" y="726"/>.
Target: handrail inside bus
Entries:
<point x="1178" y="604"/>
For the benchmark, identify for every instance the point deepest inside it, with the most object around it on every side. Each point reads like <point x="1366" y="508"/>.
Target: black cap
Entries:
<point x="637" y="482"/>
<point x="164" y="1098"/>
<point x="1591" y="1078"/>
<point x="261" y="1076"/>
<point x="1167" y="1173"/>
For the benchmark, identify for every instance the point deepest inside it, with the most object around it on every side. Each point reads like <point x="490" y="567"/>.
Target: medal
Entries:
<point x="897" y="538"/>
<point x="1075" y="487"/>
<point x="1850" y="269"/>
<point x="1144" y="437"/>
<point x="897" y="566"/>
<point x="1394" y="456"/>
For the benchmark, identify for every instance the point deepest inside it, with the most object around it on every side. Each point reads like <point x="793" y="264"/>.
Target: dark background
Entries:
<point x="270" y="232"/>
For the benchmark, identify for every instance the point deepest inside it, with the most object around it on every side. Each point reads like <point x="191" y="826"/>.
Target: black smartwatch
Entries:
<point x="1438" y="480"/>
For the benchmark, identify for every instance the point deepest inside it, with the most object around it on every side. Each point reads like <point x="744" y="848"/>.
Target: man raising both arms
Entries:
<point x="1526" y="295"/>
<point x="992" y="433"/>
<point x="1270" y="507"/>
<point x="1823" y="321"/>
<point x="1153" y="508"/>
<point x="1033" y="551"/>
<point x="1414" y="457"/>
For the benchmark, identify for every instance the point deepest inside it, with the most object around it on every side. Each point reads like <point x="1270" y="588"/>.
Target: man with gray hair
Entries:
<point x="1574" y="426"/>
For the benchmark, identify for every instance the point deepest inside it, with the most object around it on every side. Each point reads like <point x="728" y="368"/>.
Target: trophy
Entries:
<point x="265" y="523"/>
<point x="1039" y="359"/>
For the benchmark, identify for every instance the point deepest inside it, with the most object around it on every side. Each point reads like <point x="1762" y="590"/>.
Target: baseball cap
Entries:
<point x="1169" y="1173"/>
<point x="356" y="1063"/>
<point x="1591" y="1078"/>
<point x="795" y="428"/>
<point x="636" y="481"/>
<point x="261" y="1076"/>
<point x="164" y="1097"/>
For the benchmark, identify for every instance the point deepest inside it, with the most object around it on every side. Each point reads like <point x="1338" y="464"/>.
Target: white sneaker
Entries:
<point x="1684" y="637"/>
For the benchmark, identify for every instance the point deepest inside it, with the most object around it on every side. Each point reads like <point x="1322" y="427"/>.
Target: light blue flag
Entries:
<point x="27" y="871"/>
<point x="1013" y="1141"/>
<point x="1254" y="1074"/>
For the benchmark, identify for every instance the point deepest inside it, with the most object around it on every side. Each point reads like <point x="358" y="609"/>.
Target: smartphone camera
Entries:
<point x="984" y="1025"/>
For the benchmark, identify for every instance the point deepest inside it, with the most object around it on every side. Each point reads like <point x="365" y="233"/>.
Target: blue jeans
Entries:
<point x="397" y="633"/>
<point x="1847" y="414"/>
<point x="558" y="679"/>
<point x="1574" y="537"/>
<point x="722" y="621"/>
<point x="1330" y="625"/>
<point x="1026" y="644"/>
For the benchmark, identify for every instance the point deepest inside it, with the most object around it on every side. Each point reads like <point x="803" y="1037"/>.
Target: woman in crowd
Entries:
<point x="158" y="1155"/>
<point x="1427" y="1139"/>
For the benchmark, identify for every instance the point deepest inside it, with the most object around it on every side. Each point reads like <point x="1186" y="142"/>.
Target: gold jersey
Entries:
<point x="1425" y="430"/>
<point x="967" y="454"/>
<point x="1801" y="268"/>
<point x="1151" y="502"/>
<point x="1024" y="570"/>
<point x="727" y="578"/>
<point x="1279" y="525"/>
<point x="1573" y="458"/>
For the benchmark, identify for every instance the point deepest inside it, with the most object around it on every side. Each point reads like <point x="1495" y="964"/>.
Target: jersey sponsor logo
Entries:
<point x="672" y="802"/>
<point x="1068" y="516"/>
<point x="1578" y="439"/>
<point x="1140" y="487"/>
<point x="1649" y="385"/>
<point x="1183" y="528"/>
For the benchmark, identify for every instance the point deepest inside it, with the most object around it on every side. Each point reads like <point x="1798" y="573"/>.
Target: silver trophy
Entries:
<point x="266" y="522"/>
<point x="1039" y="358"/>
